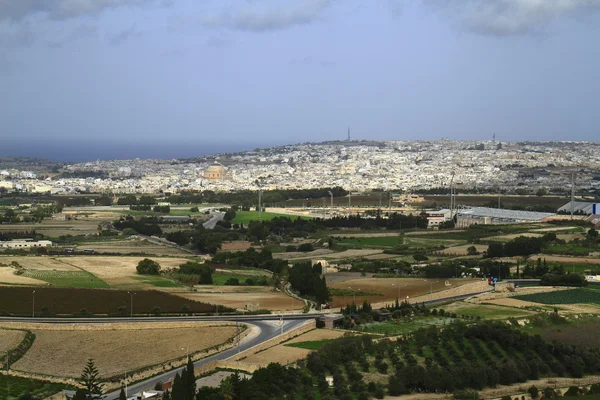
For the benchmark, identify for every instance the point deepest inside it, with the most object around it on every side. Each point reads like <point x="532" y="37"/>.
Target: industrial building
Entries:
<point x="25" y="243"/>
<point x="487" y="216"/>
<point x="581" y="207"/>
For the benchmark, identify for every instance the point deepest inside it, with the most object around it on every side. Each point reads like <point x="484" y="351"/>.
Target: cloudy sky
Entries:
<point x="258" y="72"/>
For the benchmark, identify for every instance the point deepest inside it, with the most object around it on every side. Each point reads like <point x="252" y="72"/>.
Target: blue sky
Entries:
<point x="260" y="72"/>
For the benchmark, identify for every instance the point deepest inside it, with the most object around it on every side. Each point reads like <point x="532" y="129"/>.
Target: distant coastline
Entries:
<point x="82" y="151"/>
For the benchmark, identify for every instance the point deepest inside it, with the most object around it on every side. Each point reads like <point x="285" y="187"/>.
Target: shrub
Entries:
<point x="533" y="392"/>
<point x="148" y="267"/>
<point x="305" y="247"/>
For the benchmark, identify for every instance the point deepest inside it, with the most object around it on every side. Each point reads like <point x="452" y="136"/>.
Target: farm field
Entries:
<point x="567" y="260"/>
<point x="411" y="287"/>
<point x="368" y="242"/>
<point x="85" y="271"/>
<point x="18" y="301"/>
<point x="79" y="279"/>
<point x="572" y="296"/>
<point x="298" y="255"/>
<point x="13" y="387"/>
<point x="116" y="350"/>
<point x="131" y="246"/>
<point x="8" y="277"/>
<point x="583" y="333"/>
<point x="462" y="250"/>
<point x="10" y="339"/>
<point x="238" y="297"/>
<point x="487" y="311"/>
<point x="392" y="328"/>
<point x="244" y="217"/>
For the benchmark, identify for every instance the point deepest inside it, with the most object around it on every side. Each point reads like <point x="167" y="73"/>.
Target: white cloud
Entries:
<point x="510" y="17"/>
<point x="266" y="15"/>
<point x="17" y="10"/>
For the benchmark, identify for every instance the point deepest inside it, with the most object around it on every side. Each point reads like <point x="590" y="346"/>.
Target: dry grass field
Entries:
<point x="7" y="277"/>
<point x="411" y="287"/>
<point x="297" y="255"/>
<point x="9" y="339"/>
<point x="115" y="351"/>
<point x="567" y="259"/>
<point x="261" y="297"/>
<point x="462" y="250"/>
<point x="285" y="355"/>
<point x="118" y="271"/>
<point x="40" y="262"/>
<point x="132" y="246"/>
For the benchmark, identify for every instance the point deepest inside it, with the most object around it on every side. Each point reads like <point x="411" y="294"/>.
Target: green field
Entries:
<point x="219" y="278"/>
<point x="492" y="312"/>
<point x="156" y="281"/>
<point x="12" y="388"/>
<point x="244" y="217"/>
<point x="369" y="242"/>
<point x="572" y="296"/>
<point x="311" y="345"/>
<point x="392" y="328"/>
<point x="76" y="279"/>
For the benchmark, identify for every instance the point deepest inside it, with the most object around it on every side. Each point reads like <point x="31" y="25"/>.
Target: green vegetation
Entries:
<point x="368" y="242"/>
<point x="222" y="278"/>
<point x="148" y="267"/>
<point x="457" y="358"/>
<point x="573" y="296"/>
<point x="75" y="279"/>
<point x="156" y="281"/>
<point x="12" y="387"/>
<point x="492" y="312"/>
<point x="310" y="345"/>
<point x="244" y="217"/>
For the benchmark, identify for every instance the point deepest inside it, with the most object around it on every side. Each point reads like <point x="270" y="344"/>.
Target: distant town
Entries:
<point x="522" y="168"/>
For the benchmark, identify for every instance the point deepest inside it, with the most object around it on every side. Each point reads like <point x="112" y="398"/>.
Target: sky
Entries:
<point x="185" y="77"/>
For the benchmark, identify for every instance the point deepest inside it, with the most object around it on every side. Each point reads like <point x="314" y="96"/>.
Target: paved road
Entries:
<point x="268" y="330"/>
<point x="216" y="217"/>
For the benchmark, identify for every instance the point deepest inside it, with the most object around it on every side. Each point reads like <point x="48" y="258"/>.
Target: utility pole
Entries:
<point x="349" y="201"/>
<point x="33" y="304"/>
<point x="131" y="309"/>
<point x="331" y="194"/>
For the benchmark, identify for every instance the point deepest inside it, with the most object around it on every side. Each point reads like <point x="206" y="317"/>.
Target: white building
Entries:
<point x="25" y="243"/>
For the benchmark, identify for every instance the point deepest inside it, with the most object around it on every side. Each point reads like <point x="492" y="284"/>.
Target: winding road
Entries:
<point x="268" y="327"/>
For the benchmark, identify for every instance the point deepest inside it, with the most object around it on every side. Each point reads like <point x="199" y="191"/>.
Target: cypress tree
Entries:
<point x="191" y="379"/>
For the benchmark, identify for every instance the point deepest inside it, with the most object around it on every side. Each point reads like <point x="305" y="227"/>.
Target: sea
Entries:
<point x="69" y="151"/>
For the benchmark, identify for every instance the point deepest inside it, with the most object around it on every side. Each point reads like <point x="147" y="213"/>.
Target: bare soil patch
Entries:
<point x="64" y="352"/>
<point x="317" y="334"/>
<point x="9" y="339"/>
<point x="267" y="300"/>
<point x="338" y="277"/>
<point x="236" y="246"/>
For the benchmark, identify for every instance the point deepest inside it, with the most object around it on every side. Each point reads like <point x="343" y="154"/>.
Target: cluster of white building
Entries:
<point x="354" y="166"/>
